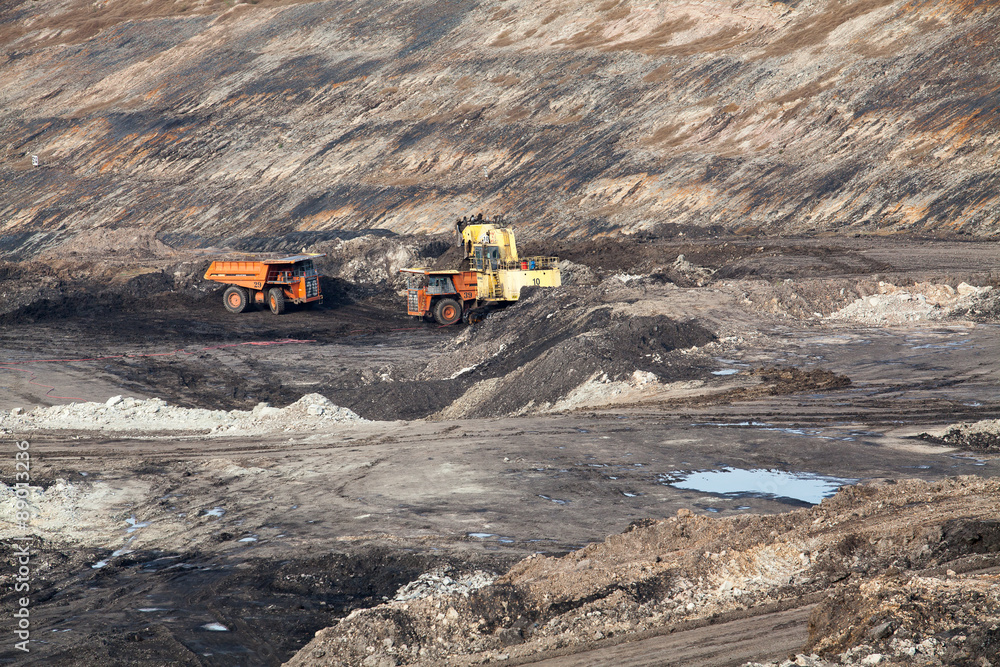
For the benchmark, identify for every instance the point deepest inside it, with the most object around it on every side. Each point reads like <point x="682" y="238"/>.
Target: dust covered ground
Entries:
<point x="215" y="489"/>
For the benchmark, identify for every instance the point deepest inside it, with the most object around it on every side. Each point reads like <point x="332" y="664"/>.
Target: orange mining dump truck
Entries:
<point x="445" y="296"/>
<point x="271" y="281"/>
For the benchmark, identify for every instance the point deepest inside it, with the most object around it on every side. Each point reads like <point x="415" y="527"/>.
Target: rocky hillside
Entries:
<point x="879" y="556"/>
<point x="217" y="121"/>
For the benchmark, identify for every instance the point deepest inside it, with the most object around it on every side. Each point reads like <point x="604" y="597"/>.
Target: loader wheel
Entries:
<point x="276" y="300"/>
<point x="235" y="299"/>
<point x="473" y="316"/>
<point x="447" y="311"/>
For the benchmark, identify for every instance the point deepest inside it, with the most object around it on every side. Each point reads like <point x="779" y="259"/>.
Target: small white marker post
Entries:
<point x="34" y="160"/>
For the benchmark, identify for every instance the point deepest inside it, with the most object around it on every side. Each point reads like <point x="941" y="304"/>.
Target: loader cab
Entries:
<point x="486" y="257"/>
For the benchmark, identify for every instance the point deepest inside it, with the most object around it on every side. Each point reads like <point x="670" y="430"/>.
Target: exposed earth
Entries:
<point x="216" y="489"/>
<point x="776" y="227"/>
<point x="575" y="118"/>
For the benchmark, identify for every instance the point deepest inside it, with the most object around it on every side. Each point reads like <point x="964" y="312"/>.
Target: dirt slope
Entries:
<point x="210" y="120"/>
<point x="662" y="573"/>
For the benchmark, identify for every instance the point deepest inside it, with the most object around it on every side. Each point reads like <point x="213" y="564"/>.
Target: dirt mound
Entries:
<point x="536" y="352"/>
<point x="154" y="414"/>
<point x="372" y="261"/>
<point x="983" y="307"/>
<point x="921" y="301"/>
<point x="637" y="254"/>
<point x="949" y="619"/>
<point x="126" y="243"/>
<point x="981" y="436"/>
<point x="50" y="298"/>
<point x="660" y="573"/>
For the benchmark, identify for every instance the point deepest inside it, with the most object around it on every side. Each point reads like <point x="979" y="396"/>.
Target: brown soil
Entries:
<point x="561" y="419"/>
<point x="660" y="573"/>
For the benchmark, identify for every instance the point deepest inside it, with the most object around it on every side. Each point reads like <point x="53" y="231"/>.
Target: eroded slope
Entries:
<point x="210" y="121"/>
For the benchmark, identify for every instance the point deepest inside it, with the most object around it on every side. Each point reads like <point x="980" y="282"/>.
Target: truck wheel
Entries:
<point x="447" y="311"/>
<point x="276" y="300"/>
<point x="235" y="299"/>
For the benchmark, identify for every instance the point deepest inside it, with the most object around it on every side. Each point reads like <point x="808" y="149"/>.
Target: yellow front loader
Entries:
<point x="491" y="265"/>
<point x="491" y="252"/>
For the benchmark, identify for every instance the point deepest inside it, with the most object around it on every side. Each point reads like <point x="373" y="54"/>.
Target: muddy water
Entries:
<point x="807" y="488"/>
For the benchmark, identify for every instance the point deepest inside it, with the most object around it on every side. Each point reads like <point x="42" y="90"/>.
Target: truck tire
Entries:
<point x="235" y="299"/>
<point x="447" y="311"/>
<point x="276" y="300"/>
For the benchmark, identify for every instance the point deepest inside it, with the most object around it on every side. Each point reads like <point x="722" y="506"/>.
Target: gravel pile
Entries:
<point x="980" y="436"/>
<point x="439" y="582"/>
<point x="897" y="305"/>
<point x="154" y="414"/>
<point x="952" y="619"/>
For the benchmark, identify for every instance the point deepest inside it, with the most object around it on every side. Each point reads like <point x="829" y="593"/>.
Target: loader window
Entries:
<point x="304" y="268"/>
<point x="487" y="255"/>
<point x="493" y="253"/>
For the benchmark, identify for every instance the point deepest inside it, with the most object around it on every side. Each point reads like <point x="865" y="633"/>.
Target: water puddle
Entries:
<point x="750" y="423"/>
<point x="726" y="371"/>
<point x="950" y="345"/>
<point x="822" y="434"/>
<point x="554" y="500"/>
<point x="134" y="524"/>
<point x="504" y="539"/>
<point x="215" y="627"/>
<point x="804" y="487"/>
<point x="965" y="457"/>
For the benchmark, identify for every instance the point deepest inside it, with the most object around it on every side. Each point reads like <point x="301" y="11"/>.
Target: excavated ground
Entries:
<point x="578" y="413"/>
<point x="582" y="117"/>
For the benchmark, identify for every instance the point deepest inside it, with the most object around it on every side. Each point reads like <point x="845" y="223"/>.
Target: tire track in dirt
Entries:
<point x="761" y="637"/>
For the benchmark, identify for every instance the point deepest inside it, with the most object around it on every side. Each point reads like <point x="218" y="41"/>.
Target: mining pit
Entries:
<point x="639" y="467"/>
<point x="756" y="425"/>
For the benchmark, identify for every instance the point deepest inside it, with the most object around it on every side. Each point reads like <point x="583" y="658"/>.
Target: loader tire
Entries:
<point x="447" y="311"/>
<point x="473" y="316"/>
<point x="276" y="300"/>
<point x="235" y="299"/>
